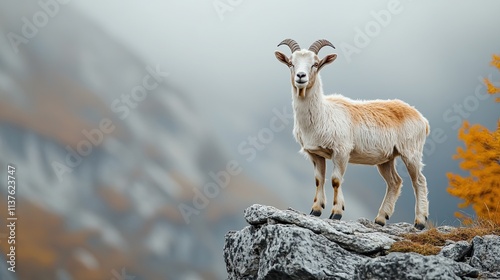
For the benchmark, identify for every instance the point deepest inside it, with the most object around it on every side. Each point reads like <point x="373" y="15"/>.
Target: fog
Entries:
<point x="214" y="85"/>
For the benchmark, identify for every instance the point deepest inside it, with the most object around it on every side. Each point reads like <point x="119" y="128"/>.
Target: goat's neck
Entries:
<point x="311" y="102"/>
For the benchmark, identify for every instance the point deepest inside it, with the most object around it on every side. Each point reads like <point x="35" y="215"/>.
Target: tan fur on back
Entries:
<point x="381" y="113"/>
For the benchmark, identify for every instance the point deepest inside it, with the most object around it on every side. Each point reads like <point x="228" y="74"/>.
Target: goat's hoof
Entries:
<point x="316" y="213"/>
<point x="386" y="217"/>
<point x="419" y="226"/>
<point x="335" y="216"/>
<point x="381" y="223"/>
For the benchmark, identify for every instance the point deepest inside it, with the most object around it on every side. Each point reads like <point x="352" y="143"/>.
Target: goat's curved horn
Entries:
<point x="316" y="46"/>
<point x="291" y="43"/>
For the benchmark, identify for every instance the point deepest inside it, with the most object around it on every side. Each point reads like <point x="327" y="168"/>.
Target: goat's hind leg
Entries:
<point x="319" y="174"/>
<point x="393" y="189"/>
<point x="414" y="166"/>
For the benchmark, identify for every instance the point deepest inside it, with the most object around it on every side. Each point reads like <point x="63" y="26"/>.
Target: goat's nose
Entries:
<point x="301" y="75"/>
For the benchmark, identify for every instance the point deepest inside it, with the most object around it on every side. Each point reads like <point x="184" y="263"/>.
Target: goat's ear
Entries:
<point x="282" y="57"/>
<point x="327" y="60"/>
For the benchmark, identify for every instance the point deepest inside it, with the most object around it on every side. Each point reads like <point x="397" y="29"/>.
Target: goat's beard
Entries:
<point x="301" y="92"/>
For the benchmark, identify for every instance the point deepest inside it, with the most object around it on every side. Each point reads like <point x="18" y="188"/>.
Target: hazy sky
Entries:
<point x="429" y="54"/>
<point x="427" y="51"/>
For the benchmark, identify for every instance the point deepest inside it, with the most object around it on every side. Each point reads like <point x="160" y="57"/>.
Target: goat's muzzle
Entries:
<point x="301" y="81"/>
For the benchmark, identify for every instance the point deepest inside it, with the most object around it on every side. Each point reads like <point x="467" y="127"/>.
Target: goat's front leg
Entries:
<point x="339" y="167"/>
<point x="319" y="174"/>
<point x="393" y="189"/>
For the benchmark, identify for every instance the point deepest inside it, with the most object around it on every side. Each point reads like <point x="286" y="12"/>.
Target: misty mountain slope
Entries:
<point x="118" y="207"/>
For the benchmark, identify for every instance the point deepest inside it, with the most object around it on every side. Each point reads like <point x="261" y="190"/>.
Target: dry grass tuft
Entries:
<point x="430" y="242"/>
<point x="410" y="246"/>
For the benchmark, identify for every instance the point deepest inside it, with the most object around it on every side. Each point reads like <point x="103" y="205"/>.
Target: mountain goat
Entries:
<point x="371" y="132"/>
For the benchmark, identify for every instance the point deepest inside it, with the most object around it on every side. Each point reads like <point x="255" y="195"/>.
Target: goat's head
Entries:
<point x="304" y="64"/>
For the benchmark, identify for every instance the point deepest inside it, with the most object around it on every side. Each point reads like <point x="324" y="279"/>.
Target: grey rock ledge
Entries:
<point x="287" y="244"/>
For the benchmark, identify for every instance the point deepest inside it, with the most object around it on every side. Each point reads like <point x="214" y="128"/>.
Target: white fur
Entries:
<point x="326" y="123"/>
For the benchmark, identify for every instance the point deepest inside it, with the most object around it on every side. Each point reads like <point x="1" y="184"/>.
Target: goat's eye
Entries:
<point x="315" y="65"/>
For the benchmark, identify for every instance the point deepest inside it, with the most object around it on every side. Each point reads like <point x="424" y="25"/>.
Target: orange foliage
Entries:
<point x="489" y="85"/>
<point x="481" y="158"/>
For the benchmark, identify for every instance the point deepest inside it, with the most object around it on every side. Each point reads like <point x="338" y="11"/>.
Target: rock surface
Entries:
<point x="456" y="251"/>
<point x="287" y="244"/>
<point x="486" y="255"/>
<point x="414" y="266"/>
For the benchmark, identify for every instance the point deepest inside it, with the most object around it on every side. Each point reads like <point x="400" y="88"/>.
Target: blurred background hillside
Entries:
<point x="214" y="87"/>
